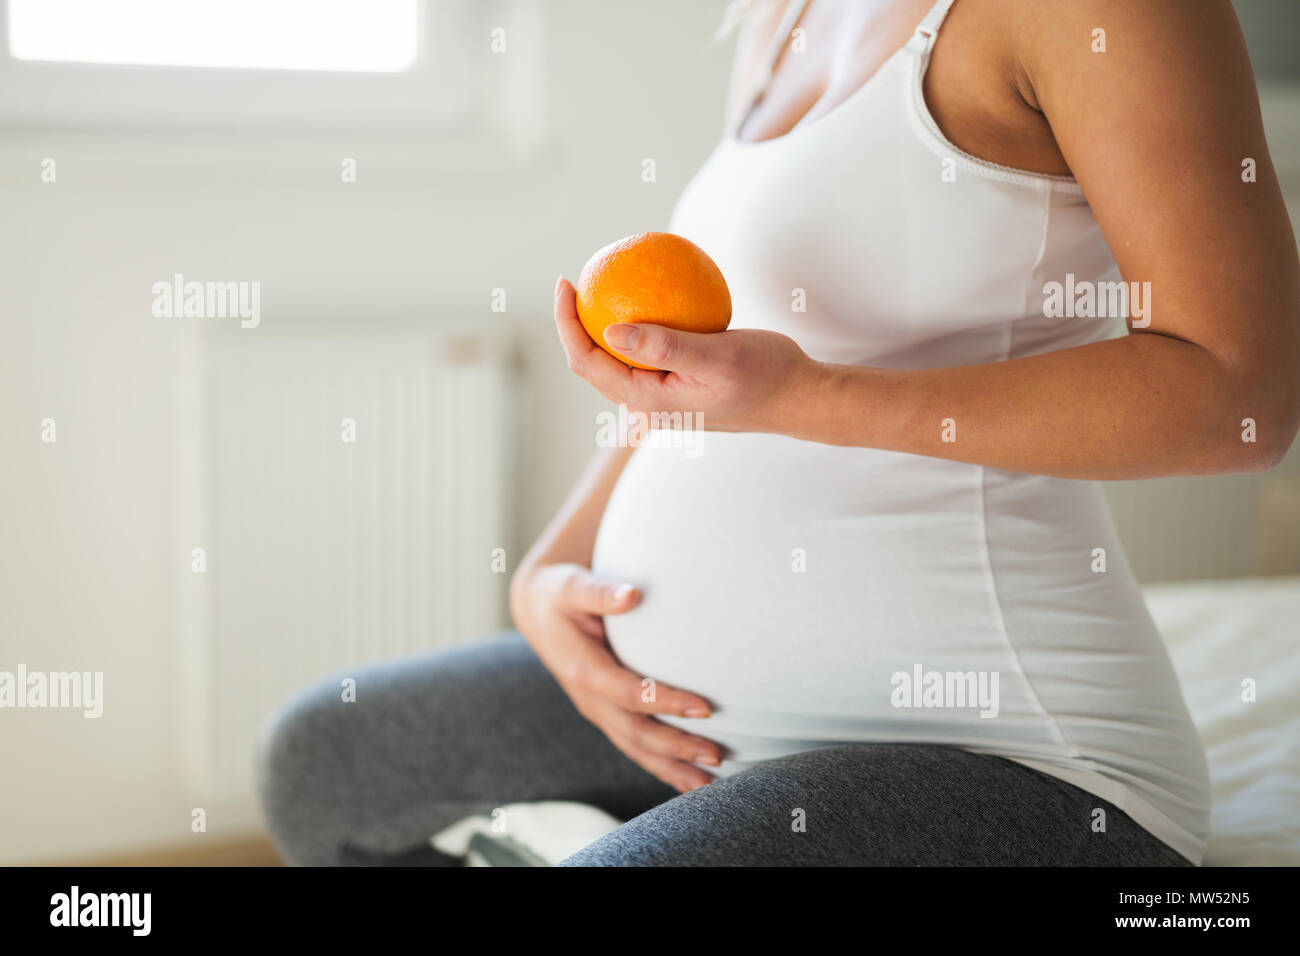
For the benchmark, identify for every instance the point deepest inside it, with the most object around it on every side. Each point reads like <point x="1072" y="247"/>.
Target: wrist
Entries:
<point x="849" y="405"/>
<point x="787" y="411"/>
<point x="527" y="578"/>
<point x="520" y="582"/>
<point x="815" y="404"/>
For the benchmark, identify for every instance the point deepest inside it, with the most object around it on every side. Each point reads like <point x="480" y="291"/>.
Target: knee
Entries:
<point x="294" y="765"/>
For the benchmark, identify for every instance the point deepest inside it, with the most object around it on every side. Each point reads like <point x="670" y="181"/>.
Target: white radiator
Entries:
<point x="323" y="553"/>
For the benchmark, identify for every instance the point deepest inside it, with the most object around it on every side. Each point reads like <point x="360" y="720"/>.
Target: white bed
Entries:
<point x="1220" y="633"/>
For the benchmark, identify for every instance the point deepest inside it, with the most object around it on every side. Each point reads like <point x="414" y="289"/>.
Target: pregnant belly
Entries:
<point x="788" y="582"/>
<point x="792" y="583"/>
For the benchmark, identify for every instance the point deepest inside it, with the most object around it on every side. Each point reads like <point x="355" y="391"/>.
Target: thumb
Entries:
<point x="585" y="592"/>
<point x="662" y="347"/>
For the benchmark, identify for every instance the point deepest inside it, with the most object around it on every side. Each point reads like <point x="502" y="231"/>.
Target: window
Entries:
<point x="404" y="67"/>
<point x="368" y="36"/>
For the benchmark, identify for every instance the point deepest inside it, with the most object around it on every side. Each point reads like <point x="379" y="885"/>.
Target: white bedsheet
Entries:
<point x="1219" y="633"/>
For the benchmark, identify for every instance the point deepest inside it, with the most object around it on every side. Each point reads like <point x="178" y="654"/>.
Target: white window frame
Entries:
<point x="452" y="87"/>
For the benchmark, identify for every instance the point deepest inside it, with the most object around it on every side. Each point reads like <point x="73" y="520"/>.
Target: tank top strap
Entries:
<point x="923" y="38"/>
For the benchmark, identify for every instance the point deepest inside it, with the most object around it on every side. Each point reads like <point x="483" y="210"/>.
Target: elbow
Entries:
<point x="1270" y="421"/>
<point x="1262" y="456"/>
<point x="1285" y="408"/>
<point x="1274" y="451"/>
<point x="1247" y="455"/>
<point x="1249" y="414"/>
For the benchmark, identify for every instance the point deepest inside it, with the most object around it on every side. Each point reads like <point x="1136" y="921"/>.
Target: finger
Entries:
<point x="593" y="625"/>
<point x="592" y="668"/>
<point x="653" y="736"/>
<point x="586" y="358"/>
<point x="690" y="353"/>
<point x="679" y="775"/>
<point x="585" y="592"/>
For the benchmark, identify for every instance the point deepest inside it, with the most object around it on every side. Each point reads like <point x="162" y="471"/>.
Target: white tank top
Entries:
<point x="819" y="595"/>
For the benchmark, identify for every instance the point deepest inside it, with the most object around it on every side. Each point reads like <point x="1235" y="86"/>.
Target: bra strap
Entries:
<point x="793" y="11"/>
<point x="923" y="39"/>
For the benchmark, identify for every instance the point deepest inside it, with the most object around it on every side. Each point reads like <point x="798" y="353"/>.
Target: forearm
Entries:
<point x="571" y="534"/>
<point x="1142" y="406"/>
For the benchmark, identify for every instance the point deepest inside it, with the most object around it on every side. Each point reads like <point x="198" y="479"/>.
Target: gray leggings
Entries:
<point x="444" y="735"/>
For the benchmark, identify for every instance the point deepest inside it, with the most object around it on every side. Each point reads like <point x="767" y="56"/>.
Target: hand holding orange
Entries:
<point x="652" y="278"/>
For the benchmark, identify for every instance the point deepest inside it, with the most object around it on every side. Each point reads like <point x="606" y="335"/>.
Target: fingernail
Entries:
<point x="623" y="592"/>
<point x="697" y="711"/>
<point x="622" y="336"/>
<point x="558" y="280"/>
<point x="709" y="759"/>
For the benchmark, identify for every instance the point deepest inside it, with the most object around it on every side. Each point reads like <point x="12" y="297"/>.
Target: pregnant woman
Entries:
<point x="877" y="612"/>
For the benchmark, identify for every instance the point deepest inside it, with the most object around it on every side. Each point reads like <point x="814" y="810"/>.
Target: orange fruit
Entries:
<point x="652" y="278"/>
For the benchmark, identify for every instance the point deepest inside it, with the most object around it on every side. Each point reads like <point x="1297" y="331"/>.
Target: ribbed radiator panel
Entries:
<point x="323" y="553"/>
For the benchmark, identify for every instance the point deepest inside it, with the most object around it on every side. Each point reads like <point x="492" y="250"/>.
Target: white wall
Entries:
<point x="87" y="534"/>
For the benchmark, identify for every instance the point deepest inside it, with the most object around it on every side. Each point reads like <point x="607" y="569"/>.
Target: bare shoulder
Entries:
<point x="1159" y="92"/>
<point x="1169" y="45"/>
<point x="1154" y="107"/>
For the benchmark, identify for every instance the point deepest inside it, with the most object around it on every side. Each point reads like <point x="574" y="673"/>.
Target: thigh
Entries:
<point x="428" y="740"/>
<point x="886" y="805"/>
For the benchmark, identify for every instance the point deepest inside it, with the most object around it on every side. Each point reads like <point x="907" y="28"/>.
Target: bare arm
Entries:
<point x="560" y="606"/>
<point x="1156" y="131"/>
<point x="571" y="534"/>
